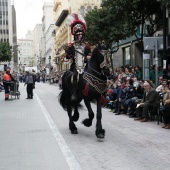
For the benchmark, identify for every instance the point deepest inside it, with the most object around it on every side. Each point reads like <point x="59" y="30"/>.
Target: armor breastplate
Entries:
<point x="79" y="57"/>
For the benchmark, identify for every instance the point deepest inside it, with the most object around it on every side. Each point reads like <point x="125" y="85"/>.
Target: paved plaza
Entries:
<point x="35" y="136"/>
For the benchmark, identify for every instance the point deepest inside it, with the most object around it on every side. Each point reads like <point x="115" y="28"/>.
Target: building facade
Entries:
<point x="8" y="32"/>
<point x="25" y="54"/>
<point x="47" y="43"/>
<point x="37" y="34"/>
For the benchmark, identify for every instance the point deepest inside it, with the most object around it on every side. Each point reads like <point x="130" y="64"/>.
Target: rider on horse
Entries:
<point x="78" y="50"/>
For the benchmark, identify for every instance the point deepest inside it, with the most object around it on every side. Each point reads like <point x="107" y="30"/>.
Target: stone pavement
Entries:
<point x="26" y="140"/>
<point x="30" y="139"/>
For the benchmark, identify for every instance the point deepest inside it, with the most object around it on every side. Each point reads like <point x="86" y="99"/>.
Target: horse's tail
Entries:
<point x="65" y="95"/>
<point x="62" y="100"/>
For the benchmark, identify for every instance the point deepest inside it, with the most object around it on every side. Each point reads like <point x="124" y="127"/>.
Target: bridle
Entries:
<point x="105" y="62"/>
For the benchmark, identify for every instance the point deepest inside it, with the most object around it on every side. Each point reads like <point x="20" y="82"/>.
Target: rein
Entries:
<point x="79" y="52"/>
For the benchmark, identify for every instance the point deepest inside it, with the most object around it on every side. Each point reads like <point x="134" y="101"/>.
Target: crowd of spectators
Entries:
<point x="128" y="94"/>
<point x="54" y="77"/>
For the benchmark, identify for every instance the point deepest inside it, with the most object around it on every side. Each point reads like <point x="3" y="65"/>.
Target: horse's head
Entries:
<point x="100" y="57"/>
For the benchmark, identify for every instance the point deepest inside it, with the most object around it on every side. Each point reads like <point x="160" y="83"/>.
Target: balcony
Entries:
<point x="61" y="18"/>
<point x="56" y="6"/>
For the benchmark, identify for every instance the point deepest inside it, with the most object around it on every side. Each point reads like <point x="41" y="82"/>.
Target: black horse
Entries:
<point x="90" y="86"/>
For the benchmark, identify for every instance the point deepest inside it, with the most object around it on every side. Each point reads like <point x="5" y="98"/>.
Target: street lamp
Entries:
<point x="49" y="58"/>
<point x="57" y="59"/>
<point x="164" y="10"/>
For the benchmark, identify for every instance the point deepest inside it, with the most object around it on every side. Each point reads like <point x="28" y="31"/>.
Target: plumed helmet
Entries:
<point x="77" y="23"/>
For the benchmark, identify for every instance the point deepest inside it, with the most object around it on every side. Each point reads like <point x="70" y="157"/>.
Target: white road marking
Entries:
<point x="73" y="164"/>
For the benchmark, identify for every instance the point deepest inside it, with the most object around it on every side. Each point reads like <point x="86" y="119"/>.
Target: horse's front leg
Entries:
<point x="72" y="126"/>
<point x="76" y="114"/>
<point x="88" y="122"/>
<point x="100" y="133"/>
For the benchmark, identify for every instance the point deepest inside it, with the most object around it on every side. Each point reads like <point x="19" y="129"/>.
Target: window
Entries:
<point x="127" y="55"/>
<point x="89" y="8"/>
<point x="82" y="10"/>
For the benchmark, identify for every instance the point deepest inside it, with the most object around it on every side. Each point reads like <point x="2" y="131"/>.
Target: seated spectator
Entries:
<point x="116" y="72"/>
<point x="132" y="72"/>
<point x="150" y="100"/>
<point x="135" y="83"/>
<point x="128" y="74"/>
<point x="111" y="96"/>
<point x="119" y="96"/>
<point x="138" y="95"/>
<point x="129" y="94"/>
<point x="160" y="80"/>
<point x="166" y="109"/>
<point x="161" y="87"/>
<point x="121" y="74"/>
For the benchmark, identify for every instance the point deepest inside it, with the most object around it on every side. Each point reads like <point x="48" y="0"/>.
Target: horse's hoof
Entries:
<point x="87" y="122"/>
<point x="74" y="132"/>
<point x="100" y="136"/>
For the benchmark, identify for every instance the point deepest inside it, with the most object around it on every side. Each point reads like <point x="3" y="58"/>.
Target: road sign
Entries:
<point x="150" y="42"/>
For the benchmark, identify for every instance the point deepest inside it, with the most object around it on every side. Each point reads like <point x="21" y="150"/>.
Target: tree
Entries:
<point x="166" y="2"/>
<point x="5" y="52"/>
<point x="103" y="26"/>
<point x="135" y="14"/>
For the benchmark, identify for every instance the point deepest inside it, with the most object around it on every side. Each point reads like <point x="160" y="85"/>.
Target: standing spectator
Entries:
<point x="138" y="73"/>
<point x="152" y="74"/>
<point x="160" y="71"/>
<point x="30" y="82"/>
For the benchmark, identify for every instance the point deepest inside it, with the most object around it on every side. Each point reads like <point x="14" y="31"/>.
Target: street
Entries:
<point x="35" y="136"/>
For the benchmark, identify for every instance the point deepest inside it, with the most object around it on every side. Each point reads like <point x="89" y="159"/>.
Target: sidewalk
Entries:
<point x="27" y="142"/>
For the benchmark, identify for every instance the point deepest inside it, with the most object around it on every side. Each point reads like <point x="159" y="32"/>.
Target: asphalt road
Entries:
<point x="34" y="135"/>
